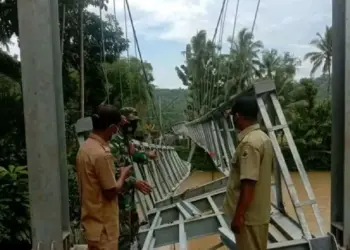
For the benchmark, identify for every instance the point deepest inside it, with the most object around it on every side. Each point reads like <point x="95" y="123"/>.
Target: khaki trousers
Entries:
<point x="253" y="237"/>
<point x="105" y="243"/>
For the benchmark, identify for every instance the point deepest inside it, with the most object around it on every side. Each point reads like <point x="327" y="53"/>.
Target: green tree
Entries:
<point x="14" y="207"/>
<point x="12" y="142"/>
<point x="322" y="57"/>
<point x="311" y="126"/>
<point x="245" y="63"/>
<point x="197" y="73"/>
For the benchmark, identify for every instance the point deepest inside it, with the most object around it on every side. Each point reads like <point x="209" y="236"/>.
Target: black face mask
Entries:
<point x="235" y="121"/>
<point x="130" y="128"/>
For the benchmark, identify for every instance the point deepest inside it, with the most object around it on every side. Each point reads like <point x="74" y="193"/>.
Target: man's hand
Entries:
<point x="152" y="154"/>
<point x="143" y="187"/>
<point x="227" y="113"/>
<point x="125" y="172"/>
<point x="237" y="223"/>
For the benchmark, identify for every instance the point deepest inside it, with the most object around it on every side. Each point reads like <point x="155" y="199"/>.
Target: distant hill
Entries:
<point x="172" y="103"/>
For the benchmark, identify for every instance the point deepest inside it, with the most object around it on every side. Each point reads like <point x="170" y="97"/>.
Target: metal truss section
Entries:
<point x="215" y="134"/>
<point x="325" y="242"/>
<point x="178" y="223"/>
<point x="201" y="215"/>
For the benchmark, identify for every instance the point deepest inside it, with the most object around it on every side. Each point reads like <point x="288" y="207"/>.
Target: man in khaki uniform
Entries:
<point x="98" y="187"/>
<point x="248" y="197"/>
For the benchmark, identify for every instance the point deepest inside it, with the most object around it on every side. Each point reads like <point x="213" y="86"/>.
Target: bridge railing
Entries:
<point x="215" y="133"/>
<point x="165" y="173"/>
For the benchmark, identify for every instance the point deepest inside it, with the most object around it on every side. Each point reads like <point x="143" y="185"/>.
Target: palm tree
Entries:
<point x="245" y="56"/>
<point x="196" y="73"/>
<point x="270" y="63"/>
<point x="324" y="54"/>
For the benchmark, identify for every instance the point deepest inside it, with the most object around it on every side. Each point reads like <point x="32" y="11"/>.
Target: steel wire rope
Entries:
<point x="208" y="72"/>
<point x="143" y="66"/>
<point x="117" y="57"/>
<point x="128" y="54"/>
<point x="196" y="90"/>
<point x="192" y="80"/>
<point x="63" y="27"/>
<point x="252" y="33"/>
<point x="138" y="83"/>
<point x="82" y="74"/>
<point x="230" y="62"/>
<point x="217" y="69"/>
<point x="205" y="80"/>
<point x="103" y="55"/>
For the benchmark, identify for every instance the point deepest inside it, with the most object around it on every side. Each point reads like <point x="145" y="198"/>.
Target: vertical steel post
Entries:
<point x="44" y="121"/>
<point x="338" y="108"/>
<point x="346" y="140"/>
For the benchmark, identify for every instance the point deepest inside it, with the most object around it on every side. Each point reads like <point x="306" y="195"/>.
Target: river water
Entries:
<point x="320" y="182"/>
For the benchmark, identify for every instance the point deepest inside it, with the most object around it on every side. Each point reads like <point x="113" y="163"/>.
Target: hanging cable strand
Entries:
<point x="230" y="62"/>
<point x="82" y="80"/>
<point x="256" y="15"/>
<point x="63" y="29"/>
<point x="127" y="51"/>
<point x="234" y="24"/>
<point x="213" y="69"/>
<point x="138" y="84"/>
<point x="206" y="74"/>
<point x="117" y="57"/>
<point x="252" y="32"/>
<point x="103" y="54"/>
<point x="217" y="78"/>
<point x="197" y="81"/>
<point x="142" y="64"/>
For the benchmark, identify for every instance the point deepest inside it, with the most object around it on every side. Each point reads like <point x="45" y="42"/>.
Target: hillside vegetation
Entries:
<point x="128" y="82"/>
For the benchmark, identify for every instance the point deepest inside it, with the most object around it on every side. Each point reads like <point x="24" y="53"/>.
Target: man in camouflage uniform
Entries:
<point x="124" y="155"/>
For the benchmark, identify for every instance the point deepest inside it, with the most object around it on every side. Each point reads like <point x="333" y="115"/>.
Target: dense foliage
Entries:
<point x="122" y="76"/>
<point x="307" y="107"/>
<point x="212" y="77"/>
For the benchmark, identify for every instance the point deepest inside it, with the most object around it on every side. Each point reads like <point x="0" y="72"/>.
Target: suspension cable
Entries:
<point x="63" y="29"/>
<point x="103" y="55"/>
<point x="235" y="24"/>
<point x="206" y="74"/>
<point x="143" y="66"/>
<point x="230" y="62"/>
<point x="219" y="64"/>
<point x="211" y="83"/>
<point x="256" y="15"/>
<point x="82" y="75"/>
<point x="252" y="32"/>
<point x="127" y="51"/>
<point x="117" y="56"/>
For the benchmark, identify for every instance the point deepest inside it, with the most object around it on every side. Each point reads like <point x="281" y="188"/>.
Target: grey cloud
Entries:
<point x="283" y="25"/>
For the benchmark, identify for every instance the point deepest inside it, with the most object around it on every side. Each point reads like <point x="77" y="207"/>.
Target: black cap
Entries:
<point x="246" y="106"/>
<point x="104" y="116"/>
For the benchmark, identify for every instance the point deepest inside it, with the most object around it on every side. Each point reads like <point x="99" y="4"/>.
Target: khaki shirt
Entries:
<point x="253" y="160"/>
<point x="96" y="172"/>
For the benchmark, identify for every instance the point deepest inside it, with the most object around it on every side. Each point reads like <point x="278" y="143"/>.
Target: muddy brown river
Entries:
<point x="320" y="182"/>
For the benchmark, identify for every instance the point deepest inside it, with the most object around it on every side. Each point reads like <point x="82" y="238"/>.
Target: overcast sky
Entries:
<point x="164" y="27"/>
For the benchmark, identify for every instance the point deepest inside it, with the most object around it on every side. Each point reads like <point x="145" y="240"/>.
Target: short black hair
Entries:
<point x="246" y="106"/>
<point x="104" y="116"/>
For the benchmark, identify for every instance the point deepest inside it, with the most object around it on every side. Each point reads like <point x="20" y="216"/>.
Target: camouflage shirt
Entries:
<point x="120" y="152"/>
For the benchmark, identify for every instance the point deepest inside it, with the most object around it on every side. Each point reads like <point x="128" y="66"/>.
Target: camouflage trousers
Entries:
<point x="129" y="227"/>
